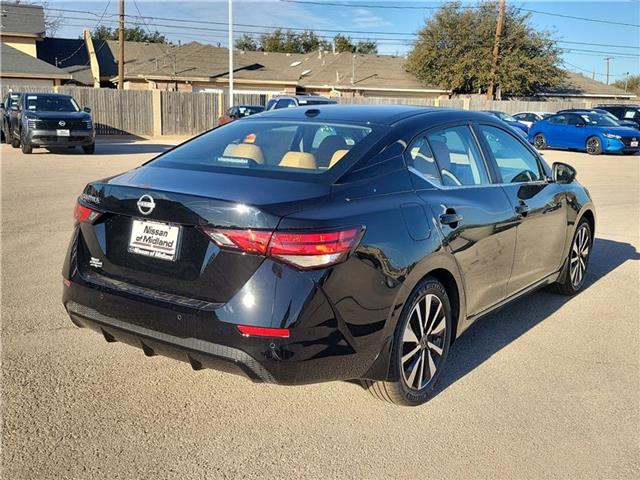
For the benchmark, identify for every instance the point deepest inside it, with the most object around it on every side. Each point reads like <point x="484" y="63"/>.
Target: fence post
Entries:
<point x="436" y="102"/>
<point x="156" y="108"/>
<point x="220" y="106"/>
<point x="466" y="103"/>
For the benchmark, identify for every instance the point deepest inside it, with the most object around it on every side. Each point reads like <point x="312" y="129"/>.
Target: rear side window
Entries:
<point x="458" y="157"/>
<point x="285" y="103"/>
<point x="272" y="146"/>
<point x="422" y="160"/>
<point x="558" y="119"/>
<point x="516" y="163"/>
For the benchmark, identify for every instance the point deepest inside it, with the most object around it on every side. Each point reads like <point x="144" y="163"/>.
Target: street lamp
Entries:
<point x="230" y="53"/>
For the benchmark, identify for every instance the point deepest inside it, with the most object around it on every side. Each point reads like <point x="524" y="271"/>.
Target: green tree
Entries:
<point x="629" y="84"/>
<point x="134" y="34"/>
<point x="344" y="43"/>
<point x="453" y="50"/>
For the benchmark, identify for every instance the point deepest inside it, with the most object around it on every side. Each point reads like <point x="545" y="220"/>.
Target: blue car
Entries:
<point x="585" y="131"/>
<point x="510" y="120"/>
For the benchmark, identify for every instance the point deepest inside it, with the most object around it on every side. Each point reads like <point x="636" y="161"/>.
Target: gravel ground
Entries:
<point x="547" y="387"/>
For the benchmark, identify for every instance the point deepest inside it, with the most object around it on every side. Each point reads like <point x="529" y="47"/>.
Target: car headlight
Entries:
<point x="612" y="135"/>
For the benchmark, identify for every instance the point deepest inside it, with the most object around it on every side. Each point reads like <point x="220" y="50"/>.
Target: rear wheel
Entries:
<point x="539" y="141"/>
<point x="89" y="149"/>
<point x="420" y="347"/>
<point x="594" y="146"/>
<point x="573" y="278"/>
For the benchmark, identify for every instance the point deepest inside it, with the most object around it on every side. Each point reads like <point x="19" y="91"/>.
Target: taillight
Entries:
<point x="85" y="214"/>
<point x="250" y="241"/>
<point x="305" y="250"/>
<point x="312" y="250"/>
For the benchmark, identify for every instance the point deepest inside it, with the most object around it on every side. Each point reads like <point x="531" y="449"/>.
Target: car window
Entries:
<point x="558" y="119"/>
<point x="516" y="163"/>
<point x="631" y="114"/>
<point x="285" y="103"/>
<point x="458" y="156"/>
<point x="270" y="147"/>
<point x="422" y="160"/>
<point x="521" y="116"/>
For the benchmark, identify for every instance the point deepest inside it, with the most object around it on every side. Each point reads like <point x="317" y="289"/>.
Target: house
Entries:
<point x="21" y="29"/>
<point x="578" y="87"/>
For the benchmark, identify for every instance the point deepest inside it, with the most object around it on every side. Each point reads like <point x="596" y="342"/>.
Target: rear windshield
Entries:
<point x="307" y="147"/>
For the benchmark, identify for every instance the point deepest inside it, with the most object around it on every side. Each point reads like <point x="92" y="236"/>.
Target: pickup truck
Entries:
<point x="50" y="120"/>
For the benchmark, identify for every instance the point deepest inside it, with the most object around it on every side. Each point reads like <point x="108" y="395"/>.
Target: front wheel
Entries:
<point x="26" y="148"/>
<point x="420" y="347"/>
<point x="89" y="149"/>
<point x="15" y="141"/>
<point x="594" y="146"/>
<point x="574" y="275"/>
<point x="539" y="141"/>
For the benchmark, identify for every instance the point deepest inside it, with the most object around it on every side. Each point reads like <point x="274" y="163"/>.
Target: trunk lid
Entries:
<point x="183" y="199"/>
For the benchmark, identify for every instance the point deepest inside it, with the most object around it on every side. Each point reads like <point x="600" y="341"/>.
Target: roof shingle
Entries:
<point x="22" y="19"/>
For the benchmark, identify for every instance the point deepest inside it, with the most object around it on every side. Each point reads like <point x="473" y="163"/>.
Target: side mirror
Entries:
<point x="86" y="109"/>
<point x="563" y="173"/>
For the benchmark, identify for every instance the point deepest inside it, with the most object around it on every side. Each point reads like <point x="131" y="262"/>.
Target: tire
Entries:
<point x="417" y="361"/>
<point x="572" y="279"/>
<point x="593" y="146"/>
<point x="89" y="149"/>
<point x="26" y="148"/>
<point x="15" y="141"/>
<point x="540" y="142"/>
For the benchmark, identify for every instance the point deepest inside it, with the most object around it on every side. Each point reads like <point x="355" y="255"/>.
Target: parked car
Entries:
<point x="623" y="111"/>
<point x="239" y="111"/>
<point x="622" y="123"/>
<point x="529" y="118"/>
<point x="584" y="131"/>
<point x="261" y="249"/>
<point x="8" y="103"/>
<point x="50" y="120"/>
<point x="509" y="120"/>
<point x="288" y="101"/>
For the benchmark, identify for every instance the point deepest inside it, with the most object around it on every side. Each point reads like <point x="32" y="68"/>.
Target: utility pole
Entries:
<point x="496" y="50"/>
<point x="230" y="53"/>
<point x="607" y="60"/>
<point x="626" y="82"/>
<point x="121" y="54"/>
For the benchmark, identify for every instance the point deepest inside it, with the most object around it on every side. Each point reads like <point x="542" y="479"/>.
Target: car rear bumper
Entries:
<point x="50" y="138"/>
<point x="206" y="335"/>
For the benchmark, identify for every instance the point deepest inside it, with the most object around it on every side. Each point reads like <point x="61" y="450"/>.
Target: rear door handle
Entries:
<point x="450" y="218"/>
<point x="522" y="209"/>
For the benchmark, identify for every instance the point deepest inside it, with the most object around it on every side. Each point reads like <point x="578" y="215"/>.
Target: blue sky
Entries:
<point x="366" y="16"/>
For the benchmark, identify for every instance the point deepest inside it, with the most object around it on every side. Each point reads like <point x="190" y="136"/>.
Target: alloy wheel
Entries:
<point x="423" y="342"/>
<point x="539" y="142"/>
<point x="593" y="145"/>
<point x="579" y="256"/>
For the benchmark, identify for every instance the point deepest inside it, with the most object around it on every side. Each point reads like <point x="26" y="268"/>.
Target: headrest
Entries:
<point x="337" y="156"/>
<point x="443" y="155"/>
<point x="244" y="150"/>
<point x="327" y="148"/>
<point x="299" y="160"/>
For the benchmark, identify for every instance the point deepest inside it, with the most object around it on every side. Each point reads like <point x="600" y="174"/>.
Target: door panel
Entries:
<point x="474" y="216"/>
<point x="482" y="242"/>
<point x="539" y="207"/>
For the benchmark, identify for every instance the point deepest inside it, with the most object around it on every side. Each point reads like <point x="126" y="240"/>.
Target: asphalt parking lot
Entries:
<point x="549" y="387"/>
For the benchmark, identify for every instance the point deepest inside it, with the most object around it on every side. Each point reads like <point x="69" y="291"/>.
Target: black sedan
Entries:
<point x="326" y="243"/>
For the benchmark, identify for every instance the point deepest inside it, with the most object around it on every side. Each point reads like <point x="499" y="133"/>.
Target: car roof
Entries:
<point x="368" y="114"/>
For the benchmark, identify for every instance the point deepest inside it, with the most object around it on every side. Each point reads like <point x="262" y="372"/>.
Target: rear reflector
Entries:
<point x="85" y="214"/>
<point x="249" y="331"/>
<point x="304" y="250"/>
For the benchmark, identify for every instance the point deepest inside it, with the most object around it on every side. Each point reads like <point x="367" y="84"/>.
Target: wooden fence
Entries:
<point x="155" y="112"/>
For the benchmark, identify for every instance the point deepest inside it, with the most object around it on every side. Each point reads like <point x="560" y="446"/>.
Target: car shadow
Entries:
<point x="499" y="329"/>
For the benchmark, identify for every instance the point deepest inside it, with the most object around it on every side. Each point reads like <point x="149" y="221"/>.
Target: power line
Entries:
<point x="415" y="7"/>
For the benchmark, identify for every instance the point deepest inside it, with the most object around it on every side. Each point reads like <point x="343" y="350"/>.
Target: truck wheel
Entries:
<point x="89" y="149"/>
<point x="26" y="148"/>
<point x="15" y="141"/>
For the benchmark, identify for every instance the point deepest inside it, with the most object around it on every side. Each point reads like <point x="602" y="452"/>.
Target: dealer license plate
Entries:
<point x="63" y="132"/>
<point x="154" y="239"/>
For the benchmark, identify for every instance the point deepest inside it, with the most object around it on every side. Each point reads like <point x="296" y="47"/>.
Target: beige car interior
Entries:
<point x="245" y="150"/>
<point x="299" y="160"/>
